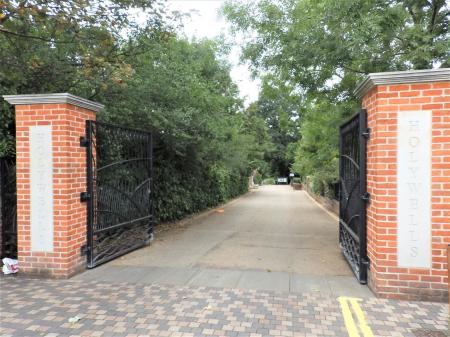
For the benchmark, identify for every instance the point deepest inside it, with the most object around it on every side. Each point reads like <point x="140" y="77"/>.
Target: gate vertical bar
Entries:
<point x="149" y="154"/>
<point x="363" y="134"/>
<point x="152" y="187"/>
<point x="8" y="207"/>
<point x="90" y="194"/>
<point x="2" y="208"/>
<point x="341" y="173"/>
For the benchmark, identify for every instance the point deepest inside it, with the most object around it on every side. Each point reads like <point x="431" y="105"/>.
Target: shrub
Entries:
<point x="297" y="180"/>
<point x="268" y="181"/>
<point x="258" y="179"/>
<point x="180" y="192"/>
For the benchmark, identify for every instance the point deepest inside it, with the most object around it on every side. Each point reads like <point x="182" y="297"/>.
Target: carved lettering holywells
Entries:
<point x="41" y="188"/>
<point x="413" y="157"/>
<point x="414" y="189"/>
<point x="413" y="203"/>
<point x="413" y="170"/>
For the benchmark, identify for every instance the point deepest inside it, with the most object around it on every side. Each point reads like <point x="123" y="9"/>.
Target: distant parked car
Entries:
<point x="282" y="180"/>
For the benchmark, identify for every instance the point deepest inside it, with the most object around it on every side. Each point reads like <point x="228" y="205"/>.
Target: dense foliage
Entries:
<point x="205" y="144"/>
<point x="67" y="46"/>
<point x="319" y="49"/>
<point x="280" y="111"/>
<point x="205" y="149"/>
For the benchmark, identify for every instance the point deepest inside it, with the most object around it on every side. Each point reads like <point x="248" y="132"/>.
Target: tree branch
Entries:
<point x="5" y="31"/>
<point x="433" y="16"/>
<point x="354" y="70"/>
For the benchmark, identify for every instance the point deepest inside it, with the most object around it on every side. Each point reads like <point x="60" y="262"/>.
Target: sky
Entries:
<point x="205" y="22"/>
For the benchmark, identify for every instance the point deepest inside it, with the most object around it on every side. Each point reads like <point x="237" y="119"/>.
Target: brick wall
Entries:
<point x="383" y="102"/>
<point x="69" y="179"/>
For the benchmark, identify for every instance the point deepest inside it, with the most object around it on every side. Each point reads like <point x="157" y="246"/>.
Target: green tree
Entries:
<point x="79" y="46"/>
<point x="322" y="48"/>
<point x="280" y="108"/>
<point x="323" y="45"/>
<point x="316" y="154"/>
<point x="205" y="144"/>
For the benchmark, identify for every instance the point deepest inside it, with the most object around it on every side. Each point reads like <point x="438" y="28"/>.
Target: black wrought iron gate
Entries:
<point x="353" y="193"/>
<point x="8" y="207"/>
<point x="119" y="191"/>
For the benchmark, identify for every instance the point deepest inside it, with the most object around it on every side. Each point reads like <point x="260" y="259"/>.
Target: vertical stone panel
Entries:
<point x="414" y="189"/>
<point x="41" y="188"/>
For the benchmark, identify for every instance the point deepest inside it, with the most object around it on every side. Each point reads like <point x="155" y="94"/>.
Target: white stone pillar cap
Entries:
<point x="59" y="98"/>
<point x="401" y="77"/>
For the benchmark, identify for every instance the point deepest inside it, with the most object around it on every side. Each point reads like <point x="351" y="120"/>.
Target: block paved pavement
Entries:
<point x="36" y="307"/>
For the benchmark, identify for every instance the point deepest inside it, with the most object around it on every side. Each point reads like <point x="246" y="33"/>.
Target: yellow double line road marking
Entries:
<point x="354" y="330"/>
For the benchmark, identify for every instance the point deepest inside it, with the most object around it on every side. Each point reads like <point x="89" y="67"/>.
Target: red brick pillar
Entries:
<point x="408" y="178"/>
<point x="51" y="173"/>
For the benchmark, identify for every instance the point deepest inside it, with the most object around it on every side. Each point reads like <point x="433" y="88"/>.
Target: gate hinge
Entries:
<point x="366" y="262"/>
<point x="365" y="196"/>
<point x="84" y="142"/>
<point x="85" y="196"/>
<point x="84" y="250"/>
<point x="366" y="134"/>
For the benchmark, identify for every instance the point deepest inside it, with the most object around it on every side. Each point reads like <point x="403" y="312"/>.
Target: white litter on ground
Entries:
<point x="10" y="266"/>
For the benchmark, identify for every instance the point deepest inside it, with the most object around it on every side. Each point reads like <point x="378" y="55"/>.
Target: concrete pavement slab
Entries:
<point x="177" y="276"/>
<point x="260" y="280"/>
<point x="309" y="284"/>
<point x="222" y="278"/>
<point x="348" y="286"/>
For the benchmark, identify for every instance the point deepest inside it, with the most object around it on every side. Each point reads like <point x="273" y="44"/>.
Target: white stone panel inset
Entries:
<point x="414" y="189"/>
<point x="41" y="188"/>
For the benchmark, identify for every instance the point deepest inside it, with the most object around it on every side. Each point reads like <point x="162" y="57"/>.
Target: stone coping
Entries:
<point x="59" y="98"/>
<point x="401" y="77"/>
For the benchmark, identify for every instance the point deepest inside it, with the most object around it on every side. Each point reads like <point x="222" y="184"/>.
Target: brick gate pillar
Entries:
<point x="51" y="173"/>
<point x="408" y="178"/>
